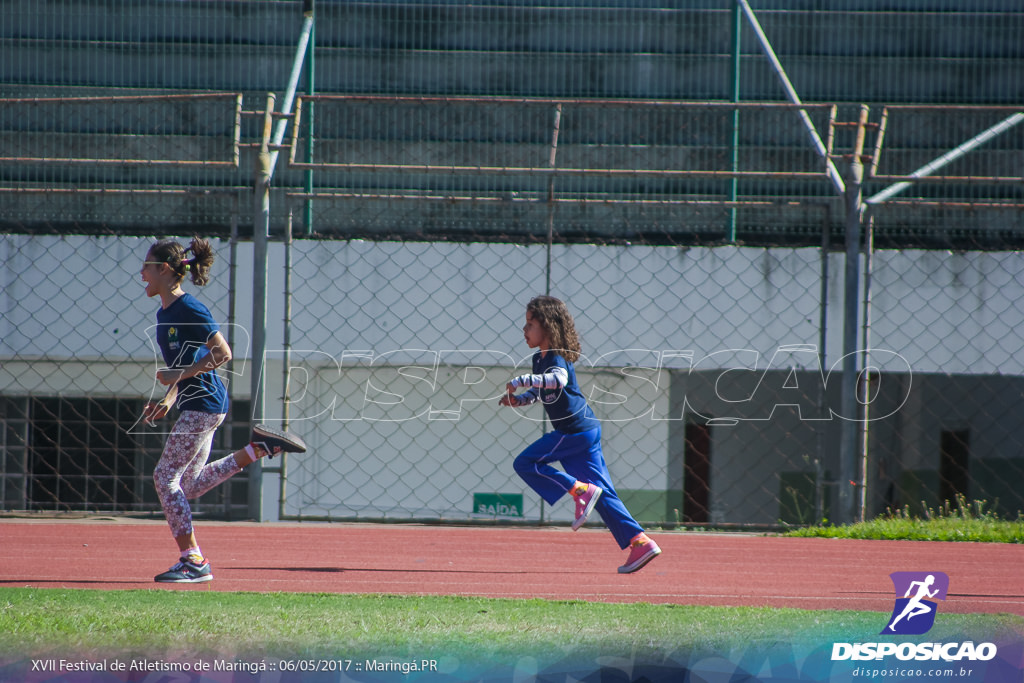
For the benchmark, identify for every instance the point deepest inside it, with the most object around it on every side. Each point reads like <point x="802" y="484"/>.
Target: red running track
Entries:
<point x="552" y="563"/>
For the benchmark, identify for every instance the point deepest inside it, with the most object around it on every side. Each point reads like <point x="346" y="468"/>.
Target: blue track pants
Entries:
<point x="581" y="457"/>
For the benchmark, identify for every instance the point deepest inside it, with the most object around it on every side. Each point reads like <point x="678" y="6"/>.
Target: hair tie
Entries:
<point x="185" y="262"/>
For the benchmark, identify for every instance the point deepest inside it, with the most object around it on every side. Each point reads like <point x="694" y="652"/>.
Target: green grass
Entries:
<point x="198" y="623"/>
<point x="962" y="522"/>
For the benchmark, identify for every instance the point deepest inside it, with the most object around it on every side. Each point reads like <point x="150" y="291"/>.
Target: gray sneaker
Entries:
<point x="275" y="441"/>
<point x="186" y="572"/>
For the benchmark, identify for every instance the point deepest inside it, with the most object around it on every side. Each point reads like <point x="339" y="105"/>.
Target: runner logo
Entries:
<point x="915" y="608"/>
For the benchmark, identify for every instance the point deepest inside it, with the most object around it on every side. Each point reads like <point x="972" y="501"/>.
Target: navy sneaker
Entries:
<point x="186" y="572"/>
<point x="275" y="441"/>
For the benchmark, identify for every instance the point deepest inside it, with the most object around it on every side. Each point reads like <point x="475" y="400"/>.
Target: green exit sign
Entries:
<point x="498" y="504"/>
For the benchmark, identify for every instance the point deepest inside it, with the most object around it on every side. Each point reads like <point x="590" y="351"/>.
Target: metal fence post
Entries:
<point x="260" y="237"/>
<point x="551" y="191"/>
<point x="850" y="433"/>
<point x="734" y="161"/>
<point x="286" y="398"/>
<point x="309" y="8"/>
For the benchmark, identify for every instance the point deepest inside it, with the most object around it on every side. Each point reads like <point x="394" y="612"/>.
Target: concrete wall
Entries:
<point x="73" y="296"/>
<point x="711" y="333"/>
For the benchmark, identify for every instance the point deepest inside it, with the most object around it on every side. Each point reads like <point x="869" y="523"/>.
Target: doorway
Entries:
<point x="954" y="465"/>
<point x="697" y="473"/>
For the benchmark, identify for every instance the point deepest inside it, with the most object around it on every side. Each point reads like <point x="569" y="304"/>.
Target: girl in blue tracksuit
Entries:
<point x="575" y="441"/>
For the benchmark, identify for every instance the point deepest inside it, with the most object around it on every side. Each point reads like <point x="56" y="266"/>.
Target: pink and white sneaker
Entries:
<point x="641" y="551"/>
<point x="585" y="503"/>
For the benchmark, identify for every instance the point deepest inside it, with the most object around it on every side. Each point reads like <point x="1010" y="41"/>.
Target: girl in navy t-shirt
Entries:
<point x="193" y="348"/>
<point x="575" y="441"/>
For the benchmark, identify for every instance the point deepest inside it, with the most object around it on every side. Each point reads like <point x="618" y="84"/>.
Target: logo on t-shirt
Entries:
<point x="172" y="339"/>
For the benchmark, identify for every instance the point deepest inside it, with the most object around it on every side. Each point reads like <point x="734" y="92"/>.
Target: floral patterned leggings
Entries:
<point x="183" y="473"/>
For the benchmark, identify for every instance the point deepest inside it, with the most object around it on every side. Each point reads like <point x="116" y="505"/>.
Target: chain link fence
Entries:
<point x="701" y="245"/>
<point x="730" y="350"/>
<point x="78" y="361"/>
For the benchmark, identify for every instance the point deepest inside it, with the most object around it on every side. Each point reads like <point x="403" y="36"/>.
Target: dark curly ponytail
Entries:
<point x="176" y="257"/>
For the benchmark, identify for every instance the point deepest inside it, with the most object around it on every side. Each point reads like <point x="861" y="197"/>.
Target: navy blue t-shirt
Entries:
<point x="183" y="328"/>
<point x="566" y="407"/>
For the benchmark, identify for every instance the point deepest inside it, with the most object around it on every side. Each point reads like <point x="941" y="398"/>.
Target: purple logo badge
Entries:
<point x="916" y="592"/>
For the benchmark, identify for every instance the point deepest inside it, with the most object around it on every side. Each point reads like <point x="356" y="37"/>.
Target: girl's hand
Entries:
<point x="509" y="399"/>
<point x="156" y="411"/>
<point x="169" y="376"/>
<point x="153" y="412"/>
